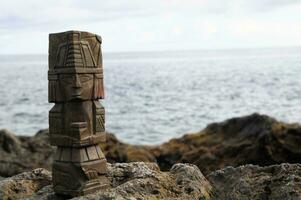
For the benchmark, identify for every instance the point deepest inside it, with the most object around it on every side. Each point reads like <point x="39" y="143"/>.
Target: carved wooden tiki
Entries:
<point x="76" y="122"/>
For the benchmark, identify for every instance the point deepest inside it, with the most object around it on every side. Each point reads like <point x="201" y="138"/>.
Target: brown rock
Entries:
<point x="255" y="139"/>
<point x="19" y="154"/>
<point x="9" y="142"/>
<point x="117" y="151"/>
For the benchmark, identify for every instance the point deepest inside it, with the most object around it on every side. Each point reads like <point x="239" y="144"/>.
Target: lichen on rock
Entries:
<point x="25" y="184"/>
<point x="184" y="181"/>
<point x="136" y="180"/>
<point x="275" y="182"/>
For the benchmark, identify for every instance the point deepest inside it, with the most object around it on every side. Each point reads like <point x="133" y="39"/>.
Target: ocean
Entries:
<point x="152" y="97"/>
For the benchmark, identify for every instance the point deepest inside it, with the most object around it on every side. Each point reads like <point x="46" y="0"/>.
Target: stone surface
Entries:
<point x="25" y="184"/>
<point x="19" y="154"/>
<point x="275" y="182"/>
<point x="128" y="181"/>
<point x="184" y="181"/>
<point x="118" y="151"/>
<point x="254" y="139"/>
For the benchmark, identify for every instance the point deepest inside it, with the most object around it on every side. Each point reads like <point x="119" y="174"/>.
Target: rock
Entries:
<point x="25" y="184"/>
<point x="9" y="142"/>
<point x="141" y="180"/>
<point x="117" y="151"/>
<point x="19" y="154"/>
<point x="259" y="139"/>
<point x="275" y="182"/>
<point x="254" y="139"/>
<point x="188" y="177"/>
<point x="136" y="180"/>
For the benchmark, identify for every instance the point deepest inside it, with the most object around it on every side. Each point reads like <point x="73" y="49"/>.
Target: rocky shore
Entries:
<point x="263" y="155"/>
<point x="140" y="180"/>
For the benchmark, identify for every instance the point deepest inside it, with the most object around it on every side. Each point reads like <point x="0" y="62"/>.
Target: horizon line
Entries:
<point x="172" y="50"/>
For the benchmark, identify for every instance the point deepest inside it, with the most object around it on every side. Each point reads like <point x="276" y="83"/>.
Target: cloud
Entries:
<point x="265" y="30"/>
<point x="266" y="5"/>
<point x="19" y="13"/>
<point x="150" y="25"/>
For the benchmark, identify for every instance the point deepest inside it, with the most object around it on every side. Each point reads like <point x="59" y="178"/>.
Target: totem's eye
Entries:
<point x="66" y="76"/>
<point x="98" y="76"/>
<point x="85" y="78"/>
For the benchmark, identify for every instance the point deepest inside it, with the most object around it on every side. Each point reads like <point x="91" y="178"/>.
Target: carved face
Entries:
<point x="76" y="86"/>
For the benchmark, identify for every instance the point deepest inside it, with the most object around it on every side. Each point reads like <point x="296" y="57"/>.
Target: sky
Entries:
<point x="152" y="25"/>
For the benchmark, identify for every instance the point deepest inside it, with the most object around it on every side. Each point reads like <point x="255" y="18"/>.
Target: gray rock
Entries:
<point x="275" y="182"/>
<point x="145" y="181"/>
<point x="25" y="184"/>
<point x="187" y="176"/>
<point x="184" y="181"/>
<point x="128" y="181"/>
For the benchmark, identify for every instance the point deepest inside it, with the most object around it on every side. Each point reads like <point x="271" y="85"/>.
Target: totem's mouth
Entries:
<point x="76" y="96"/>
<point x="78" y="125"/>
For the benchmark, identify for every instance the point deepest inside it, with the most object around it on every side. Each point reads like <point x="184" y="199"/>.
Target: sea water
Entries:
<point x="154" y="96"/>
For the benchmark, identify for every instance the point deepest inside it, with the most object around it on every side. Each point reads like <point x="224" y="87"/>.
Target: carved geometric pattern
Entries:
<point x="99" y="117"/>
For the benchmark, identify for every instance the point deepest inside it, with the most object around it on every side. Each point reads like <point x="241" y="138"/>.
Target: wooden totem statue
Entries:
<point x="76" y="122"/>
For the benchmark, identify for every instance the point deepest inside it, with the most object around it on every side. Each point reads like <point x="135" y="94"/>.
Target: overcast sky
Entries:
<point x="143" y="25"/>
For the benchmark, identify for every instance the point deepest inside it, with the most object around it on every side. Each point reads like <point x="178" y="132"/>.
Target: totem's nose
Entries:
<point x="76" y="83"/>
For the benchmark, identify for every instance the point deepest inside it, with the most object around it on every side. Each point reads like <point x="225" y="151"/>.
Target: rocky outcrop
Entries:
<point x="117" y="151"/>
<point x="255" y="139"/>
<point x="275" y="182"/>
<point x="25" y="184"/>
<point x="127" y="181"/>
<point x="142" y="180"/>
<point x="19" y="154"/>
